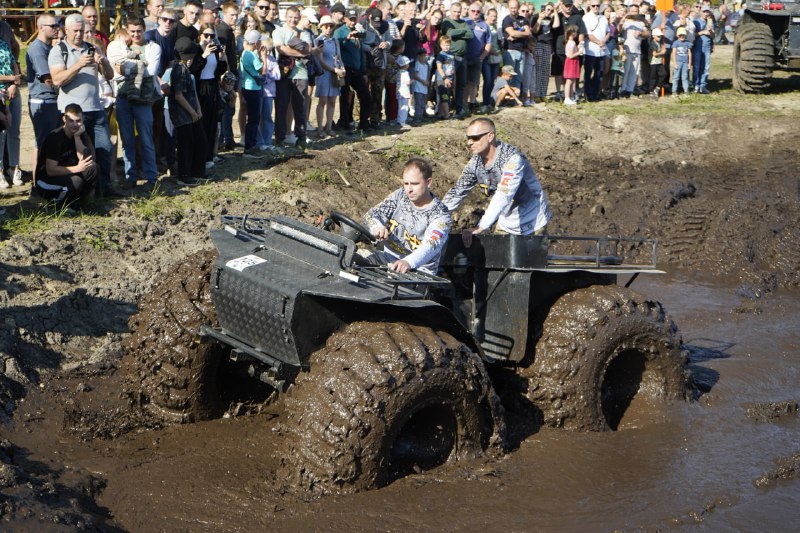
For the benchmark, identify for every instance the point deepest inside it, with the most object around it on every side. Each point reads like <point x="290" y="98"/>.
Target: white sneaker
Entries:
<point x="3" y="183"/>
<point x="291" y="139"/>
<point x="309" y="127"/>
<point x="568" y="101"/>
<point x="17" y="179"/>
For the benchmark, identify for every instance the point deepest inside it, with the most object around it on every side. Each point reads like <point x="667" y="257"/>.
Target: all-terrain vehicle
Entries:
<point x="767" y="37"/>
<point x="390" y="372"/>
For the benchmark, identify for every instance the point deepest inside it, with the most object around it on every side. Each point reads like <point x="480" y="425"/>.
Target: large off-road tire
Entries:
<point x="170" y="372"/>
<point x="753" y="57"/>
<point x="600" y="347"/>
<point x="383" y="400"/>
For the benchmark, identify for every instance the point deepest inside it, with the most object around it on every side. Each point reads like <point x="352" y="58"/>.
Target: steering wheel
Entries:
<point x="362" y="233"/>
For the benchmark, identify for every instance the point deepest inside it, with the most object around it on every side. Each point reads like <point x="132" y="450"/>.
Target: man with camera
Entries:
<point x="349" y="36"/>
<point x="74" y="66"/>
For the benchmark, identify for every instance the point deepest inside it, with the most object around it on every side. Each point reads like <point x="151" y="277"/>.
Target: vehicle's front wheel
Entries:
<point x="171" y="373"/>
<point x="383" y="400"/>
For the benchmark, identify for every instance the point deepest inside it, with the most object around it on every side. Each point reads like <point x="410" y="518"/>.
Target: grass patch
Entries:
<point x="403" y="151"/>
<point x="28" y="221"/>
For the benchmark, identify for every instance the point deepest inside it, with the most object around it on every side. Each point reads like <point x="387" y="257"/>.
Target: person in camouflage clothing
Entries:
<point x="518" y="203"/>
<point x="412" y="221"/>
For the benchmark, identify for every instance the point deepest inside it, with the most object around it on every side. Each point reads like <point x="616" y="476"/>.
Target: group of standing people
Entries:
<point x="166" y="87"/>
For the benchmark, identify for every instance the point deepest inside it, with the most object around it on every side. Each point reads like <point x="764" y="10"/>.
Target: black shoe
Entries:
<point x="188" y="182"/>
<point x="301" y="143"/>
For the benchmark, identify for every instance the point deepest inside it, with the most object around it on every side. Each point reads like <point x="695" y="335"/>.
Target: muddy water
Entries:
<point x="689" y="467"/>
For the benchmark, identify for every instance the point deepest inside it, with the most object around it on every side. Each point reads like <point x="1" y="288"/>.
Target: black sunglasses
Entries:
<point x="477" y="136"/>
<point x="166" y="19"/>
<point x="54" y="26"/>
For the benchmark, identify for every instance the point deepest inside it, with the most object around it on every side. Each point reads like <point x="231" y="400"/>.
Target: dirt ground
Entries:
<point x="712" y="178"/>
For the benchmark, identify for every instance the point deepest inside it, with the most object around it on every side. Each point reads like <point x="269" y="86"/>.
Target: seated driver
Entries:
<point x="413" y="223"/>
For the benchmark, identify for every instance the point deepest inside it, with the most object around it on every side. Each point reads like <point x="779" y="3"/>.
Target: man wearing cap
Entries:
<point x="376" y="44"/>
<point x="337" y="13"/>
<point x="354" y="63"/>
<point x="412" y="222"/>
<point x="458" y="30"/>
<point x="291" y="44"/>
<point x="597" y="35"/>
<point x="518" y="204"/>
<point x="570" y="15"/>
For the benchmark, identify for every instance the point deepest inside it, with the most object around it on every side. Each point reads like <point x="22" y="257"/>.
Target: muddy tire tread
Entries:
<point x="579" y="341"/>
<point x="753" y="58"/>
<point x="173" y="375"/>
<point x="369" y="372"/>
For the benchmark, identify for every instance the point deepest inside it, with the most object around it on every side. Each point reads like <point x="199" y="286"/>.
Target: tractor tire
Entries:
<point x="600" y="347"/>
<point x="753" y="57"/>
<point x="383" y="400"/>
<point x="171" y="373"/>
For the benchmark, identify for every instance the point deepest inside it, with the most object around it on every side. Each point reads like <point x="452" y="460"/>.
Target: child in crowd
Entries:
<point x="227" y="92"/>
<point x="403" y="90"/>
<point x="184" y="112"/>
<point x="445" y="76"/>
<point x="420" y="85"/>
<point x="572" y="64"/>
<point x="681" y="62"/>
<point x="272" y="73"/>
<point x="658" y="73"/>
<point x="502" y="92"/>
<point x="120" y="53"/>
<point x="615" y="73"/>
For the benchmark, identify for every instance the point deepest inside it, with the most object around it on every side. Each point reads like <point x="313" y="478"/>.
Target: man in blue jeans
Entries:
<point x="134" y="109"/>
<point x="42" y="95"/>
<point x="74" y="66"/>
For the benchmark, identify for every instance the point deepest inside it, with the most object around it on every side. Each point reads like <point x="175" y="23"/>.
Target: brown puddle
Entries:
<point x="664" y="468"/>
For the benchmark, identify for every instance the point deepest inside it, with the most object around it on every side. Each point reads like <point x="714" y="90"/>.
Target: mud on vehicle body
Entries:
<point x="767" y="37"/>
<point x="389" y="370"/>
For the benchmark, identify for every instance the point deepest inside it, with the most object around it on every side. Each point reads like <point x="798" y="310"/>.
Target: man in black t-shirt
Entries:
<point x="516" y="32"/>
<point x="66" y="170"/>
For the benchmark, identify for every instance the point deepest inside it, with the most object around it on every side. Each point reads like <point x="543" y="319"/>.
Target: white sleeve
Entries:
<point x="513" y="172"/>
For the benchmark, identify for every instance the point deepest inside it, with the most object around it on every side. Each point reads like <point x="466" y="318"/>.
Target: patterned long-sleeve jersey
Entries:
<point x="518" y="204"/>
<point x="417" y="235"/>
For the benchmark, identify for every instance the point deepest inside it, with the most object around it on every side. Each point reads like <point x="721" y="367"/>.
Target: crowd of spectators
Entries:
<point x="167" y="87"/>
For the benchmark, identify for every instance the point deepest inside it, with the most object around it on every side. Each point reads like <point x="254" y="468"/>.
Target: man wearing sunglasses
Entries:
<point x="42" y="95"/>
<point x="164" y="37"/>
<point x="518" y="204"/>
<point x="597" y="35"/>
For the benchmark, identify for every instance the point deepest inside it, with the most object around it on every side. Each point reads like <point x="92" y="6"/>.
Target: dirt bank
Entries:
<point x="712" y="178"/>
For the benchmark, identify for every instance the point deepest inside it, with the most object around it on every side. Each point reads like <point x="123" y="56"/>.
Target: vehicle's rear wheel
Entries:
<point x="753" y="57"/>
<point x="600" y="347"/>
<point x="171" y="373"/>
<point x="383" y="400"/>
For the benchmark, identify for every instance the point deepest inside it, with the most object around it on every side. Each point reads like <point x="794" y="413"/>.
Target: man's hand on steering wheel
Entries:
<point x="380" y="233"/>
